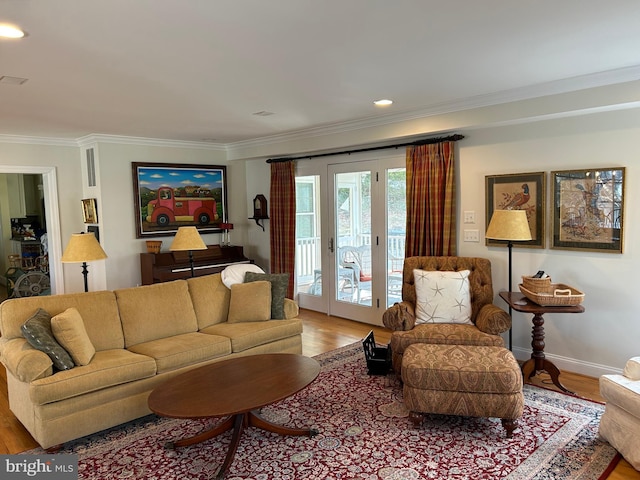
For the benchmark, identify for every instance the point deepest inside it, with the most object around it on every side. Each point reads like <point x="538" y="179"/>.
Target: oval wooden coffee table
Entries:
<point x="234" y="388"/>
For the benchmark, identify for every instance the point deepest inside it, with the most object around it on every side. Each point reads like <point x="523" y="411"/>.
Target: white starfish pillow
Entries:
<point x="442" y="297"/>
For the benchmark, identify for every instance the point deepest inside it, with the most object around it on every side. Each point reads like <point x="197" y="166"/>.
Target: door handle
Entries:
<point x="331" y="245"/>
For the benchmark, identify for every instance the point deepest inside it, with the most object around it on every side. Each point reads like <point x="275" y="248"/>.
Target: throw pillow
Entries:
<point x="235" y="273"/>
<point x="68" y="329"/>
<point x="37" y="331"/>
<point x="279" y="283"/>
<point x="250" y="302"/>
<point x="442" y="297"/>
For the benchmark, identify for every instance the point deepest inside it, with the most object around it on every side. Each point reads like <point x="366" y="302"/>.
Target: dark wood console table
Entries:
<point x="538" y="362"/>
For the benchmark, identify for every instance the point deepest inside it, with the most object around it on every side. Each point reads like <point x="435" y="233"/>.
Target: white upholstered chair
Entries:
<point x="620" y="423"/>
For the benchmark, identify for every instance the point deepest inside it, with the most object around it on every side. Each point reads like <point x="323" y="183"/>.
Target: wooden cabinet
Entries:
<point x="24" y="195"/>
<point x="32" y="195"/>
<point x="168" y="266"/>
<point x="15" y="188"/>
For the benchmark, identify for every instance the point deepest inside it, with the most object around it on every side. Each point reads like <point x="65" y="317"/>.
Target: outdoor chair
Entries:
<point x="352" y="259"/>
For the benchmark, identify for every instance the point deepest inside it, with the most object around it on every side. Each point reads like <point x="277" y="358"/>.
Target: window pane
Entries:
<point x="304" y="197"/>
<point x="304" y="226"/>
<point x="308" y="264"/>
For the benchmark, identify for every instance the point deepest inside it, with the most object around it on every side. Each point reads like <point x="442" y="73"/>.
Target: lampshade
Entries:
<point x="187" y="238"/>
<point x="83" y="247"/>
<point x="509" y="225"/>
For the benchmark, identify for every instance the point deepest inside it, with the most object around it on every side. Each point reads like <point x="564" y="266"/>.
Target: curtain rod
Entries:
<point x="426" y="141"/>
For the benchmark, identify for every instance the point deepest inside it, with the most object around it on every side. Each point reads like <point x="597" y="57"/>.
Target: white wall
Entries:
<point x="258" y="181"/>
<point x="606" y="335"/>
<point x="118" y="227"/>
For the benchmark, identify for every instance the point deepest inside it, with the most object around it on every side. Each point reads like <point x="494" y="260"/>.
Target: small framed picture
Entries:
<point x="521" y="191"/>
<point x="588" y="208"/>
<point x="89" y="210"/>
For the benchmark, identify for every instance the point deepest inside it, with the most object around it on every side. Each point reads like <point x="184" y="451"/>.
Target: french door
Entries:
<point x="350" y="245"/>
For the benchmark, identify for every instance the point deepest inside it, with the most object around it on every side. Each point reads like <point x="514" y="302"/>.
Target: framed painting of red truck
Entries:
<point x="169" y="195"/>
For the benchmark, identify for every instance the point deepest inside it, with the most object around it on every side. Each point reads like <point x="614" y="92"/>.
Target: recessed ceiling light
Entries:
<point x="383" y="103"/>
<point x="9" y="31"/>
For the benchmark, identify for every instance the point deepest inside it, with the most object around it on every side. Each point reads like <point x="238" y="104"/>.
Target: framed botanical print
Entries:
<point x="521" y="191"/>
<point x="168" y="196"/>
<point x="588" y="207"/>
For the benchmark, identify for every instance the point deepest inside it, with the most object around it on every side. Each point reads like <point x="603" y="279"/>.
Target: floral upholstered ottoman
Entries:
<point x="473" y="381"/>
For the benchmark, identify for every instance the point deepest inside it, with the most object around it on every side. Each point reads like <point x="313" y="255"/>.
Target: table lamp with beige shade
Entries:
<point x="512" y="226"/>
<point x="188" y="239"/>
<point x="83" y="247"/>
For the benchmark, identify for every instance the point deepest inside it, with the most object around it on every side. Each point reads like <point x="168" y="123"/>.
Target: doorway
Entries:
<point x="350" y="236"/>
<point x="51" y="220"/>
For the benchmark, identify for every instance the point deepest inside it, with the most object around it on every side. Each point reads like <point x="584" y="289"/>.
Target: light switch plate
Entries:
<point x="469" y="216"/>
<point x="471" y="236"/>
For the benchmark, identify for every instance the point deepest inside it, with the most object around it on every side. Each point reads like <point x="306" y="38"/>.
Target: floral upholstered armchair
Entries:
<point x="427" y="315"/>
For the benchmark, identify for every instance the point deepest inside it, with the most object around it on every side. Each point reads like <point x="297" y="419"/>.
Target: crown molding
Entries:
<point x="149" y="142"/>
<point x="49" y="141"/>
<point x="566" y="85"/>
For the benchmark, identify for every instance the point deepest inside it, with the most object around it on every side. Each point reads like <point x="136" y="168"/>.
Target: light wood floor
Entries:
<point x="322" y="333"/>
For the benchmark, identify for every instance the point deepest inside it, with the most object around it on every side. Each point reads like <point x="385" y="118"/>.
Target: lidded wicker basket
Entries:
<point x="536" y="284"/>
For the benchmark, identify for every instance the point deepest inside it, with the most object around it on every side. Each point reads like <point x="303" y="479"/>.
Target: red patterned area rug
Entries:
<point x="365" y="434"/>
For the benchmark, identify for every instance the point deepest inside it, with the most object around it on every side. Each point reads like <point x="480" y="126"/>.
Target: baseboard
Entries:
<point x="571" y="364"/>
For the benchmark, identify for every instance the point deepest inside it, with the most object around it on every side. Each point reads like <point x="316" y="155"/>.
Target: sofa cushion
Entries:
<point x="210" y="299"/>
<point x="443" y="334"/>
<point x="632" y="369"/>
<point x="68" y="329"/>
<point x="621" y="391"/>
<point x="37" y="331"/>
<point x="442" y="297"/>
<point x="99" y="312"/>
<point x="291" y="309"/>
<point x="459" y="368"/>
<point x="279" y="283"/>
<point x="183" y="350"/>
<point x="250" y="302"/>
<point x="156" y="311"/>
<point x="108" y="368"/>
<point x="251" y="334"/>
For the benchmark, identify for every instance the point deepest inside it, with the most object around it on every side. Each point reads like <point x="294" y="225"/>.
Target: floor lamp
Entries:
<point x="512" y="226"/>
<point x="83" y="247"/>
<point x="187" y="239"/>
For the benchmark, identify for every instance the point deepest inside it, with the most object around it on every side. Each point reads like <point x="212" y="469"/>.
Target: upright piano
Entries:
<point x="167" y="266"/>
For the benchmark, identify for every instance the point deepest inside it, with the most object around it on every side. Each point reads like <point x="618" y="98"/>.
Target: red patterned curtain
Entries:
<point x="282" y="213"/>
<point x="431" y="200"/>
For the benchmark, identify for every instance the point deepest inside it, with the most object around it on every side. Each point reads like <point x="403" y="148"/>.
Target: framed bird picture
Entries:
<point x="521" y="191"/>
<point x="588" y="208"/>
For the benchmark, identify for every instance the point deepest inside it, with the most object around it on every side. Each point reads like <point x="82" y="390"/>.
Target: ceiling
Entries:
<point x="203" y="70"/>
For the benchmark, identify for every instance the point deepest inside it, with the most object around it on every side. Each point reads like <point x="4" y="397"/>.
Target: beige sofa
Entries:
<point x="142" y="336"/>
<point x="620" y="423"/>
